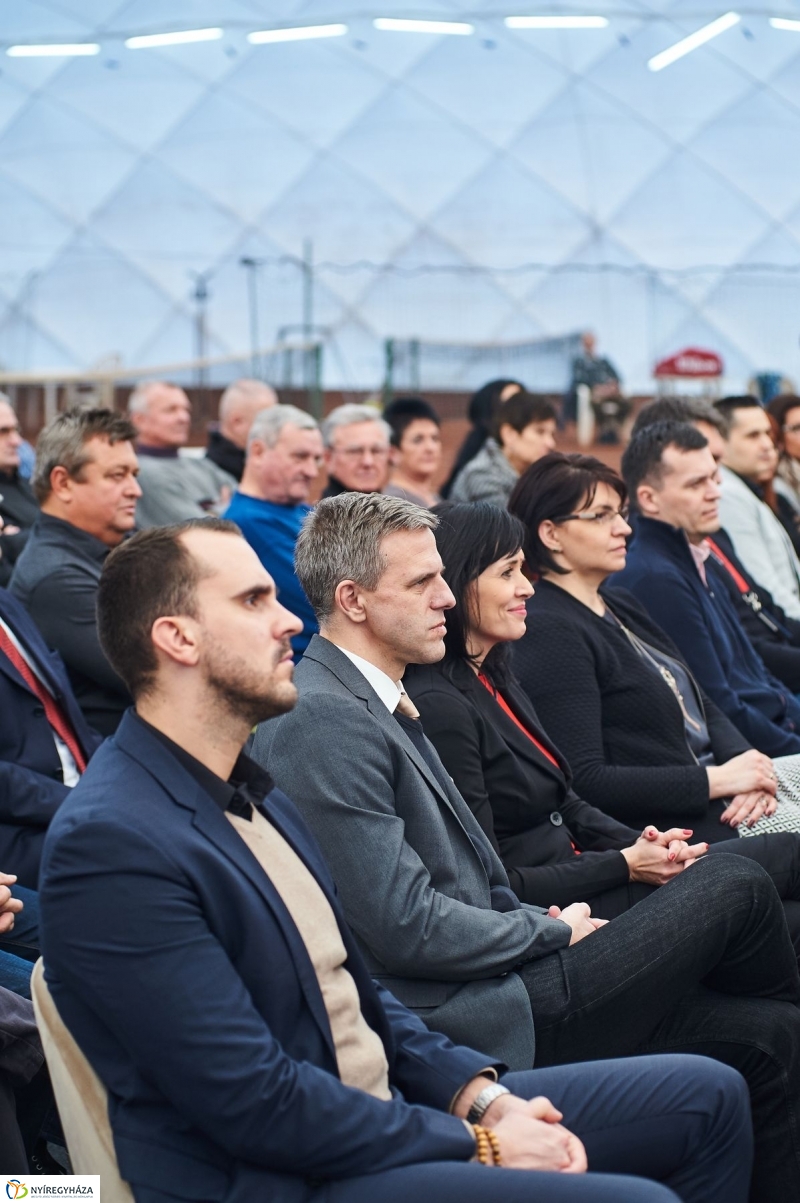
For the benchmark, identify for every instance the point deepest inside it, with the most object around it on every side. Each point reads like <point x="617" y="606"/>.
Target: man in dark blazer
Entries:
<point x="428" y="896"/>
<point x="224" y="1004"/>
<point x="41" y="719"/>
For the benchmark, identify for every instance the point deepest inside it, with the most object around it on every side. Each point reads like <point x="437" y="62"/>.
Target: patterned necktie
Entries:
<point x="406" y="707"/>
<point x="54" y="714"/>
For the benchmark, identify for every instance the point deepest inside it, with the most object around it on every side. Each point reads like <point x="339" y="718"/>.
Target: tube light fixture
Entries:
<point x="297" y="33"/>
<point x="403" y="25"/>
<point x="785" y="23"/>
<point x="180" y="38"/>
<point x="687" y="45"/>
<point x="556" y="21"/>
<point x="54" y="50"/>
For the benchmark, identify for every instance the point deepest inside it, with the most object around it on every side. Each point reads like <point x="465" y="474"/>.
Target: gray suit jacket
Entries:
<point x="414" y="870"/>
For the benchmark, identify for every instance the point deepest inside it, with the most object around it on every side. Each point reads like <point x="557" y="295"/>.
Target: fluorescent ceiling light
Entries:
<point x="51" y="50"/>
<point x="556" y="22"/>
<point x="687" y="45"/>
<point x="785" y="23"/>
<point x="298" y="34"/>
<point x="180" y="38"/>
<point x="401" y="25"/>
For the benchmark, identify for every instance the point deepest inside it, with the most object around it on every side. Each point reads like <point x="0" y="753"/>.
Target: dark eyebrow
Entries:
<point x="255" y="591"/>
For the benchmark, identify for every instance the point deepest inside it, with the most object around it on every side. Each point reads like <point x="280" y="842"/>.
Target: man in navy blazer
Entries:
<point x="179" y="965"/>
<point x="32" y="769"/>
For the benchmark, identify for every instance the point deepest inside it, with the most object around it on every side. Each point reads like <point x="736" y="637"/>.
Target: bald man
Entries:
<point x="175" y="487"/>
<point x="238" y="406"/>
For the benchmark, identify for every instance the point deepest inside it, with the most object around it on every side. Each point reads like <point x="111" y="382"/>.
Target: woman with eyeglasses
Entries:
<point x="643" y="741"/>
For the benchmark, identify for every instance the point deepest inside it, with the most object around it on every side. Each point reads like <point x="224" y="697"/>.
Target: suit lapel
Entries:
<point x="518" y="740"/>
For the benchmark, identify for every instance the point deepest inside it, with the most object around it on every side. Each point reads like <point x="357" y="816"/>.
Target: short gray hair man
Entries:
<point x="269" y="423"/>
<point x="341" y="541"/>
<point x="357" y="445"/>
<point x="62" y="443"/>
<point x="352" y="415"/>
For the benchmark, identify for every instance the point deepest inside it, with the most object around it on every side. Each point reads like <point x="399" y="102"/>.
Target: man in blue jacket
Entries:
<point x="673" y="484"/>
<point x="195" y="948"/>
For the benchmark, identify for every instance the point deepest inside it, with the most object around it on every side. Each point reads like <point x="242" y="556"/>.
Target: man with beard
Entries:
<point x="195" y="948"/>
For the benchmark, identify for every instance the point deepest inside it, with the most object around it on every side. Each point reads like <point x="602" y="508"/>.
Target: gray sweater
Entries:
<point x="174" y="488"/>
<point x="487" y="477"/>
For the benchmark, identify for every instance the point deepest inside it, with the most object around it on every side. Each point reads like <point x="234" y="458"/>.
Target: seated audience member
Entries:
<point x="483" y="405"/>
<point x="748" y="465"/>
<point x="428" y="897"/>
<point x="238" y="406"/>
<point x="672" y="482"/>
<point x="45" y="742"/>
<point x="593" y="370"/>
<point x="19" y="508"/>
<point x="175" y="487"/>
<point x="784" y="412"/>
<point x="357" y="444"/>
<point x="524" y="430"/>
<point x="19" y="935"/>
<point x="416" y="454"/>
<point x="85" y="480"/>
<point x="306" y="1081"/>
<point x="284" y="457"/>
<point x="642" y="739"/>
<point x="555" y="847"/>
<point x="774" y="635"/>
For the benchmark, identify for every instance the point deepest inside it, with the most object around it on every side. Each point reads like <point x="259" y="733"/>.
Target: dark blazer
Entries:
<point x="662" y="575"/>
<point x="420" y="884"/>
<point x="31" y="780"/>
<point x="774" y="635"/>
<point x="176" y="966"/>
<point x="525" y="804"/>
<point x="18" y="507"/>
<point x="56" y="580"/>
<point x="619" y="725"/>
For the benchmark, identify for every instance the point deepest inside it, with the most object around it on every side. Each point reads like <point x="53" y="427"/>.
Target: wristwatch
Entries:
<point x="482" y="1101"/>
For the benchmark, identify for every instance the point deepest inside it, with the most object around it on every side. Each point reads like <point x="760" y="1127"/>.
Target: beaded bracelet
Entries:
<point x="486" y="1139"/>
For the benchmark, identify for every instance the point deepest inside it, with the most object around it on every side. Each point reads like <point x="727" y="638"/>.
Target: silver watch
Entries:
<point x="482" y="1101"/>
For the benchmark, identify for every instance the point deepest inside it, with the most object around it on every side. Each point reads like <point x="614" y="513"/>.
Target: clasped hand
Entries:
<point x="532" y="1137"/>
<point x="658" y="856"/>
<point x="9" y="907"/>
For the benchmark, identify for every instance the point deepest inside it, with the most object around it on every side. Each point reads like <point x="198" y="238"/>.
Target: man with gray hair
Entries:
<point x="357" y="447"/>
<point x="238" y="406"/>
<point x="175" y="487"/>
<point x="284" y="456"/>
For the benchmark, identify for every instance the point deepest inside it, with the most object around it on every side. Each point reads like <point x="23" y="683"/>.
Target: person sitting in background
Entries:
<point x="357" y="443"/>
<point x="749" y="463"/>
<point x="784" y="412"/>
<point x="483" y="405"/>
<point x="85" y="480"/>
<point x="428" y="897"/>
<point x="238" y="406"/>
<point x="174" y="486"/>
<point x="598" y="374"/>
<point x="196" y="950"/>
<point x="644" y="743"/>
<point x="45" y="742"/>
<point x="19" y="508"/>
<point x="416" y="455"/>
<point x="284" y="457"/>
<point x="524" y="430"/>
<point x="672" y="482"/>
<point x="774" y="635"/>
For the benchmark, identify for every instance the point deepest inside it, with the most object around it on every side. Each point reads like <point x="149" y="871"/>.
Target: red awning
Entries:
<point x="692" y="363"/>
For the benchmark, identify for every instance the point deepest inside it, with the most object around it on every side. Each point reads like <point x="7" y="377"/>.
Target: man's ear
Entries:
<point x="61" y="483"/>
<point x="349" y="601"/>
<point x="178" y="638"/>
<point x="548" y="533"/>
<point x="647" y="500"/>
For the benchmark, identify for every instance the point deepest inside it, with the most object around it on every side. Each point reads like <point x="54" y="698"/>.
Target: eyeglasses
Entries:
<point x="360" y="452"/>
<point x="599" y="517"/>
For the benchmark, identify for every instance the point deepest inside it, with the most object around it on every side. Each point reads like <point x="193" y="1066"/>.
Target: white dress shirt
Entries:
<point x="389" y="691"/>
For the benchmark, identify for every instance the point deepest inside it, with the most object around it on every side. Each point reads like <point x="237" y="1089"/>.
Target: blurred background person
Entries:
<point x="483" y="405"/>
<point x="784" y="411"/>
<point x="524" y="429"/>
<point x="238" y="406"/>
<point x="357" y="442"/>
<point x="19" y="508"/>
<point x="416" y="455"/>
<point x="603" y="381"/>
<point x="284" y="458"/>
<point x="174" y="487"/>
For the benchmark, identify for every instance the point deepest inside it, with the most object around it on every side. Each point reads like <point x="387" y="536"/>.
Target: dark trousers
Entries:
<point x="704" y="965"/>
<point x="669" y="1124"/>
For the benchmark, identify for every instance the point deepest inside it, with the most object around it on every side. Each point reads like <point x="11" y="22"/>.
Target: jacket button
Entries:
<point x="38" y="712"/>
<point x="556" y="819"/>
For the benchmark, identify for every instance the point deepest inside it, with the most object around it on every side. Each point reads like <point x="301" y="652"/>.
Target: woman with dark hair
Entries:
<point x="482" y="407"/>
<point x="416" y="453"/>
<point x="784" y="413"/>
<point x="523" y="430"/>
<point x="611" y="688"/>
<point x="488" y="736"/>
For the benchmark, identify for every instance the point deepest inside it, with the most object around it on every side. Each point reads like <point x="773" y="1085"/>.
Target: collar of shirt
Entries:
<point x="72" y="536"/>
<point x="248" y="779"/>
<point x="157" y="452"/>
<point x="700" y="553"/>
<point x="389" y="691"/>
